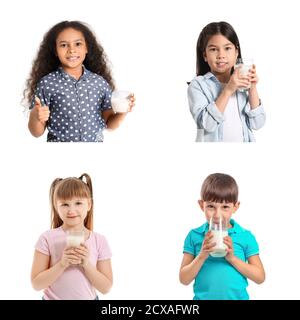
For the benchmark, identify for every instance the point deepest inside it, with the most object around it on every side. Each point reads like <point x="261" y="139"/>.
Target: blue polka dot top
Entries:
<point x="75" y="105"/>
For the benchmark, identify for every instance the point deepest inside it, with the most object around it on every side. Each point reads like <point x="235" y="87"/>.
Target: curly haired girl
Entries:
<point x="70" y="85"/>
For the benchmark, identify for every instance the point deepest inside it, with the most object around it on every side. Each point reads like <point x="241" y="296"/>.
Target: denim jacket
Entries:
<point x="203" y="91"/>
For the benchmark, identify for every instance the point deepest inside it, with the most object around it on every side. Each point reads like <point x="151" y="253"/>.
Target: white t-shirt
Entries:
<point x="232" y="126"/>
<point x="72" y="284"/>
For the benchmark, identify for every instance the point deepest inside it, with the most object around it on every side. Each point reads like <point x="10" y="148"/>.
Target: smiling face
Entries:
<point x="73" y="212"/>
<point x="71" y="49"/>
<point x="221" y="55"/>
<point x="215" y="210"/>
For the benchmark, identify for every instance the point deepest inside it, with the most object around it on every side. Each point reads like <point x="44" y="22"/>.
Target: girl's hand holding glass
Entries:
<point x="131" y="102"/>
<point x="69" y="257"/>
<point x="253" y="76"/>
<point x="237" y="81"/>
<point x="82" y="253"/>
<point x="42" y="113"/>
<point x="122" y="101"/>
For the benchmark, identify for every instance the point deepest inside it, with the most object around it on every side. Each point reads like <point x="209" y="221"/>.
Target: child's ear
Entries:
<point x="201" y="204"/>
<point x="204" y="57"/>
<point x="236" y="206"/>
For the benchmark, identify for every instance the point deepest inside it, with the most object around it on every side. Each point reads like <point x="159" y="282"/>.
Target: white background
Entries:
<point x="148" y="173"/>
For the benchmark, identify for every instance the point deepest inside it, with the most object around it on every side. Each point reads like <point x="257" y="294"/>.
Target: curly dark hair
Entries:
<point x="47" y="60"/>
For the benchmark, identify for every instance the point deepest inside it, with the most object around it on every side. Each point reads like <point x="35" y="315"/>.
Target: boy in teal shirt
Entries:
<point x="220" y="278"/>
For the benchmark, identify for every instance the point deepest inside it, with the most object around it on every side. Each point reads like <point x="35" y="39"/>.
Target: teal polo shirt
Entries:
<point x="218" y="279"/>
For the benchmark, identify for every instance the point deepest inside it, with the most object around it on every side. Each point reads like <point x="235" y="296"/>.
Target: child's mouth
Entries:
<point x="221" y="64"/>
<point x="73" y="58"/>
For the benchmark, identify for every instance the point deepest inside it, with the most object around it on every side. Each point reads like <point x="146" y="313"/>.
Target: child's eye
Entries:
<point x="226" y="207"/>
<point x="64" y="204"/>
<point x="212" y="49"/>
<point x="78" y="203"/>
<point x="210" y="206"/>
<point x="78" y="44"/>
<point x="63" y="45"/>
<point x="228" y="48"/>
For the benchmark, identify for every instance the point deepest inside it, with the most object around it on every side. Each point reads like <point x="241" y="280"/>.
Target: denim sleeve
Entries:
<point x="41" y="93"/>
<point x="205" y="113"/>
<point x="106" y="101"/>
<point x="251" y="246"/>
<point x="257" y="116"/>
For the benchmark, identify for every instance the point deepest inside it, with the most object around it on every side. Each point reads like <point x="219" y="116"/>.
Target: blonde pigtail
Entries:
<point x="88" y="222"/>
<point x="55" y="219"/>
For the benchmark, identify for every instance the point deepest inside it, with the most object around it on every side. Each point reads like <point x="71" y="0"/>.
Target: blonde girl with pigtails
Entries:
<point x="71" y="261"/>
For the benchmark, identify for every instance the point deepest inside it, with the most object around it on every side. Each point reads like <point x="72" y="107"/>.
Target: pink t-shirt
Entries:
<point x="72" y="284"/>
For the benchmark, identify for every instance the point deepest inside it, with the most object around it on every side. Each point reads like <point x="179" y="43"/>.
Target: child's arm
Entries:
<point x="38" y="118"/>
<point x="191" y="265"/>
<point x="42" y="275"/>
<point x="113" y="120"/>
<point x="100" y="276"/>
<point x="253" y="270"/>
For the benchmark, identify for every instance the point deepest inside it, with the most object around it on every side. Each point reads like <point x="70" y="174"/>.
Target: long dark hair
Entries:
<point x="223" y="28"/>
<point x="47" y="61"/>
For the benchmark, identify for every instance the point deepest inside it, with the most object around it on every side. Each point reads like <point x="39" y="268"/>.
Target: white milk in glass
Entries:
<point x="220" y="247"/>
<point x="244" y="66"/>
<point x="219" y="231"/>
<point x="75" y="238"/>
<point x="120" y="101"/>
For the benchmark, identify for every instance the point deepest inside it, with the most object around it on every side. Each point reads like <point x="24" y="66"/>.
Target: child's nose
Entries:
<point x="71" y="208"/>
<point x="221" y="53"/>
<point x="72" y="48"/>
<point x="218" y="213"/>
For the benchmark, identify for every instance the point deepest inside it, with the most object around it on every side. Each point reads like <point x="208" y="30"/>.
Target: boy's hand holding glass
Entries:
<point x="207" y="245"/>
<point x="42" y="113"/>
<point x="230" y="253"/>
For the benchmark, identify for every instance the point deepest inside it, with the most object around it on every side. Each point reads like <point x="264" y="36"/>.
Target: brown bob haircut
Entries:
<point x="220" y="187"/>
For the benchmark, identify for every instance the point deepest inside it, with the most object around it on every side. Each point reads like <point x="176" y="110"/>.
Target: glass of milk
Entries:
<point x="120" y="100"/>
<point x="75" y="238"/>
<point x="219" y="231"/>
<point x="244" y="65"/>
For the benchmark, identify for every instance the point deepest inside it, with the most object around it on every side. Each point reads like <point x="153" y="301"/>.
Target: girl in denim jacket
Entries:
<point x="222" y="107"/>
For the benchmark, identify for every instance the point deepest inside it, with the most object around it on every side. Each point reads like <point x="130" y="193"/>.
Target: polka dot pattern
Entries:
<point x="75" y="105"/>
